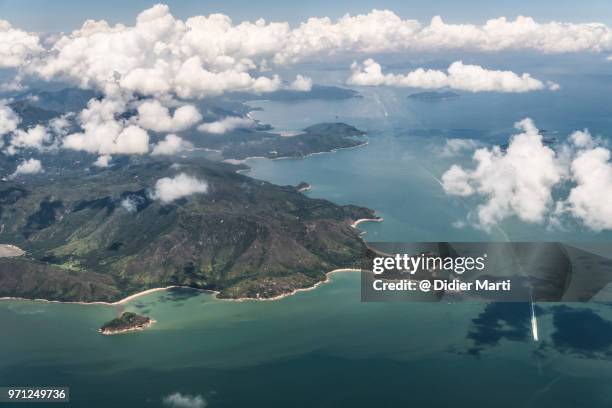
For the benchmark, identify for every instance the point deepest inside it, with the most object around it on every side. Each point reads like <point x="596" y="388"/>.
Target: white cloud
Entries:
<point x="34" y="138"/>
<point x="30" y="166"/>
<point x="226" y="124"/>
<point x="103" y="161"/>
<point x="16" y="46"/>
<point x="591" y="172"/>
<point x="582" y="139"/>
<point x="130" y="204"/>
<point x="590" y="199"/>
<point x="161" y="55"/>
<point x="172" y="144"/>
<point x="518" y="181"/>
<point x="301" y="83"/>
<point x="456" y="181"/>
<point x="9" y="120"/>
<point x="454" y="147"/>
<point x="208" y="55"/>
<point x="472" y="78"/>
<point x="169" y="189"/>
<point x="383" y="31"/>
<point x="521" y="180"/>
<point x="152" y="115"/>
<point x="104" y="134"/>
<point x="178" y="400"/>
<point x="459" y="224"/>
<point x="12" y="85"/>
<point x="61" y="124"/>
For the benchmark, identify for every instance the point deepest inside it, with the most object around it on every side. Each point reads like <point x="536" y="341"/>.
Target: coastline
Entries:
<point x="246" y="159"/>
<point x="295" y="291"/>
<point x="153" y="290"/>
<point x="356" y="223"/>
<point x="99" y="302"/>
<point x="215" y="292"/>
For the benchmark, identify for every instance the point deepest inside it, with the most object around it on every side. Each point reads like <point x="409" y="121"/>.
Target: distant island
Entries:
<point x="329" y="93"/>
<point x="319" y="138"/>
<point x="127" y="322"/>
<point x="433" y="96"/>
<point x="260" y="140"/>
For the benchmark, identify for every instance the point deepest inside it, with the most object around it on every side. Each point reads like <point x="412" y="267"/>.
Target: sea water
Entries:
<point x="324" y="347"/>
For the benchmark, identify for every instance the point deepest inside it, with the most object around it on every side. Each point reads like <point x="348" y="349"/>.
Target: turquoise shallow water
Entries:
<point x="323" y="347"/>
<point x="317" y="348"/>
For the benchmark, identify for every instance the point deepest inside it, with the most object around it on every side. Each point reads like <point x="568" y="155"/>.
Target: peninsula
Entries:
<point x="103" y="236"/>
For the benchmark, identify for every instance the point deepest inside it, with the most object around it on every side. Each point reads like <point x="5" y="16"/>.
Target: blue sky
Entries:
<point x="64" y="15"/>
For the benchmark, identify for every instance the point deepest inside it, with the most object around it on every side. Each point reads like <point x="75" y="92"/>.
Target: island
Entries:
<point x="433" y="96"/>
<point x="241" y="144"/>
<point x="127" y="322"/>
<point x="259" y="140"/>
<point x="323" y="92"/>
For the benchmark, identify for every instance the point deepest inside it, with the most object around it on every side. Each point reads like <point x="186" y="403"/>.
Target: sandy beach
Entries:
<point x="359" y="221"/>
<point x="246" y="159"/>
<point x="8" y="250"/>
<point x="149" y="291"/>
<point x="127" y="299"/>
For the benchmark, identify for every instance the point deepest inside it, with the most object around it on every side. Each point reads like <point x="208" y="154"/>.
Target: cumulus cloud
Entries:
<point x="208" y="55"/>
<point x="104" y="133"/>
<point x="383" y="31"/>
<point x="103" y="161"/>
<point x="521" y="180"/>
<point x="35" y="137"/>
<point x="178" y="400"/>
<point x="16" y="46"/>
<point x="12" y="85"/>
<point x="169" y="189"/>
<point x="30" y="166"/>
<point x="590" y="199"/>
<point x="60" y="125"/>
<point x="460" y="76"/>
<point x="518" y="181"/>
<point x="152" y="115"/>
<point x="454" y="147"/>
<point x="301" y="83"/>
<point x="9" y="120"/>
<point x="591" y="172"/>
<point x="172" y="144"/>
<point x="129" y="205"/>
<point x="226" y="124"/>
<point x="160" y="55"/>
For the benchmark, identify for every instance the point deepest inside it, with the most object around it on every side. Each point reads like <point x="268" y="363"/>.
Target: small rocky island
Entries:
<point x="127" y="322"/>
